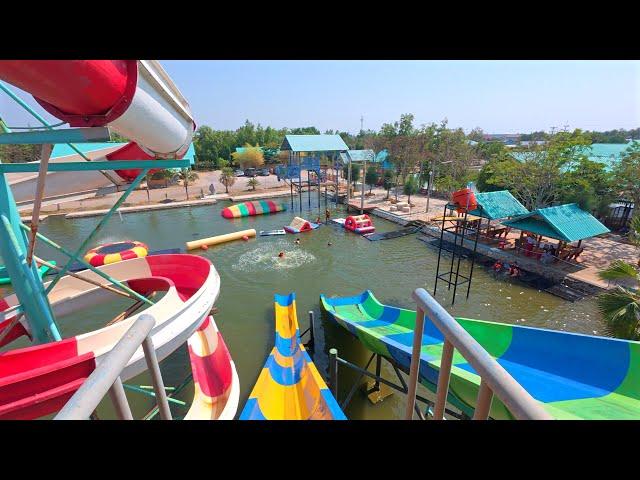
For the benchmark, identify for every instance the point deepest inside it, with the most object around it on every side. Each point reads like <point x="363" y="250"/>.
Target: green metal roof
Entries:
<point x="500" y="204"/>
<point x="564" y="222"/>
<point x="314" y="143"/>
<point x="359" y="156"/>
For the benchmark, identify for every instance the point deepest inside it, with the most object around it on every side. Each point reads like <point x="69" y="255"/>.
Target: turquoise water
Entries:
<point x="251" y="273"/>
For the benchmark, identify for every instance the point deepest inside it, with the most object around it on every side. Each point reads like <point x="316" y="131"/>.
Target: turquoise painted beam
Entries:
<point x="27" y="285"/>
<point x="95" y="231"/>
<point x="115" y="282"/>
<point x="92" y="166"/>
<point x="26" y="281"/>
<point x="63" y="135"/>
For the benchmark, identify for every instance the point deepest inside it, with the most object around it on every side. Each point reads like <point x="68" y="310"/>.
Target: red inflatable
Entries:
<point x="359" y="224"/>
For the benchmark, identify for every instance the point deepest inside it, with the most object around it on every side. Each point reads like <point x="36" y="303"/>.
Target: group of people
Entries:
<point x="513" y="270"/>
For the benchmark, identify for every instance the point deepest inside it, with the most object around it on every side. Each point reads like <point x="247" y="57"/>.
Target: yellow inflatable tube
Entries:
<point x="227" y="237"/>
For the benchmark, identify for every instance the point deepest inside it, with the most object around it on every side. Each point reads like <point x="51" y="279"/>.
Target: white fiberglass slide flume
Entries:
<point x="38" y="380"/>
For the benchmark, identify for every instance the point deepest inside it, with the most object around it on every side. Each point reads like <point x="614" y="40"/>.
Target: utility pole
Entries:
<point x="361" y="123"/>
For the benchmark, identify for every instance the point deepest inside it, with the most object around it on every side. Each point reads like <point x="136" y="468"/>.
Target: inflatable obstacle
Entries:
<point x="359" y="224"/>
<point x="298" y="225"/>
<point x="115" y="252"/>
<point x="227" y="237"/>
<point x="269" y="233"/>
<point x="250" y="209"/>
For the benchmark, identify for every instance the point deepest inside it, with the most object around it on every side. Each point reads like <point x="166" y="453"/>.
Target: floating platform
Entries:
<point x="374" y="237"/>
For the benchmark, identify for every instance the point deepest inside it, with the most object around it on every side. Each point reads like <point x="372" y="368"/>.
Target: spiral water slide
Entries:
<point x="138" y="100"/>
<point x="134" y="98"/>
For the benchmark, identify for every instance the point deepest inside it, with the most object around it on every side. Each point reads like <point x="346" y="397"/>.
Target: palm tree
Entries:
<point x="253" y="183"/>
<point x="227" y="178"/>
<point x="187" y="176"/>
<point x="620" y="307"/>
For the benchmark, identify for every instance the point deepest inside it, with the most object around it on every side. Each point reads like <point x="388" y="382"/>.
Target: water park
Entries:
<point x="310" y="299"/>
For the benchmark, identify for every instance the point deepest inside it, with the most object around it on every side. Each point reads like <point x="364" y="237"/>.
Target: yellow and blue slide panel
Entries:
<point x="289" y="386"/>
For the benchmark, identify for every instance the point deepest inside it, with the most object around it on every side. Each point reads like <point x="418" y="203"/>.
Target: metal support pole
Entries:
<point x="311" y="343"/>
<point x="348" y="182"/>
<point x="45" y="154"/>
<point x="415" y="364"/>
<point x="429" y="189"/>
<point x="98" y="227"/>
<point x="443" y="380"/>
<point x="364" y="174"/>
<point x="120" y="402"/>
<point x="483" y="402"/>
<point x="156" y="378"/>
<point x="376" y="385"/>
<point x="300" y="182"/>
<point x="333" y="371"/>
<point x="444" y="215"/>
<point x="308" y="191"/>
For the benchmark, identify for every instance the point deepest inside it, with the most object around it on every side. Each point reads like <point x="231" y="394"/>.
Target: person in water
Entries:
<point x="318" y="220"/>
<point x="497" y="266"/>
<point x="297" y="242"/>
<point x="327" y="215"/>
<point x="514" y="271"/>
<point x="281" y="255"/>
<point x="329" y="244"/>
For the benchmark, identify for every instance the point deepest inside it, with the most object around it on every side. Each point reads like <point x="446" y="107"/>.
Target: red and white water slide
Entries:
<point x="136" y="99"/>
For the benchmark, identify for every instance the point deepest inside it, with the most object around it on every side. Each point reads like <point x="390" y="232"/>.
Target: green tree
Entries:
<point x="372" y="176"/>
<point x="410" y="187"/>
<point x="253" y="183"/>
<point x="250" y="157"/>
<point x="626" y="175"/>
<point x="355" y="172"/>
<point x="387" y="181"/>
<point x="227" y="178"/>
<point x="187" y="177"/>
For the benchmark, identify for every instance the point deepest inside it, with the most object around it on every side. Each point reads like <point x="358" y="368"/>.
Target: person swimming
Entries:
<point x="281" y="255"/>
<point x="497" y="266"/>
<point x="514" y="271"/>
<point x="329" y="244"/>
<point x="297" y="242"/>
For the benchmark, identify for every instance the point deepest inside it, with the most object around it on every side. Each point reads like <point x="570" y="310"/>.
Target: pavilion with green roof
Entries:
<point x="565" y="223"/>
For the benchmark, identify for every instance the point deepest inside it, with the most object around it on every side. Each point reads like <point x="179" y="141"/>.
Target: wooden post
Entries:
<point x="415" y="364"/>
<point x="483" y="402"/>
<point x="45" y="154"/>
<point x="443" y="380"/>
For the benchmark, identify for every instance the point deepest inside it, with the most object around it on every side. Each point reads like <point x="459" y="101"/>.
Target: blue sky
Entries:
<point x="498" y="96"/>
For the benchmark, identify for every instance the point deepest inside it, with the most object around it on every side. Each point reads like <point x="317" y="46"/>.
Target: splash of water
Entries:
<point x="265" y="257"/>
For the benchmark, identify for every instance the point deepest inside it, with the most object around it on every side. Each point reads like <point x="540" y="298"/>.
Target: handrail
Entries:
<point x="494" y="378"/>
<point x="106" y="377"/>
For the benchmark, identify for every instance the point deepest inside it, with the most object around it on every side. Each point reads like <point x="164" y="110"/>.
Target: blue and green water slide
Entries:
<point x="573" y="376"/>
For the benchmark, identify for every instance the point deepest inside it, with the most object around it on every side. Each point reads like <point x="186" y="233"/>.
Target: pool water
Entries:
<point x="251" y="273"/>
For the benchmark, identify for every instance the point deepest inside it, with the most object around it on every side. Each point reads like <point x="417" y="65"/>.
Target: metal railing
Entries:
<point x="494" y="378"/>
<point x="106" y="377"/>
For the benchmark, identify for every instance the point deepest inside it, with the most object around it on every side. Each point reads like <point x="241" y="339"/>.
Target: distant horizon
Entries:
<point x="500" y="97"/>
